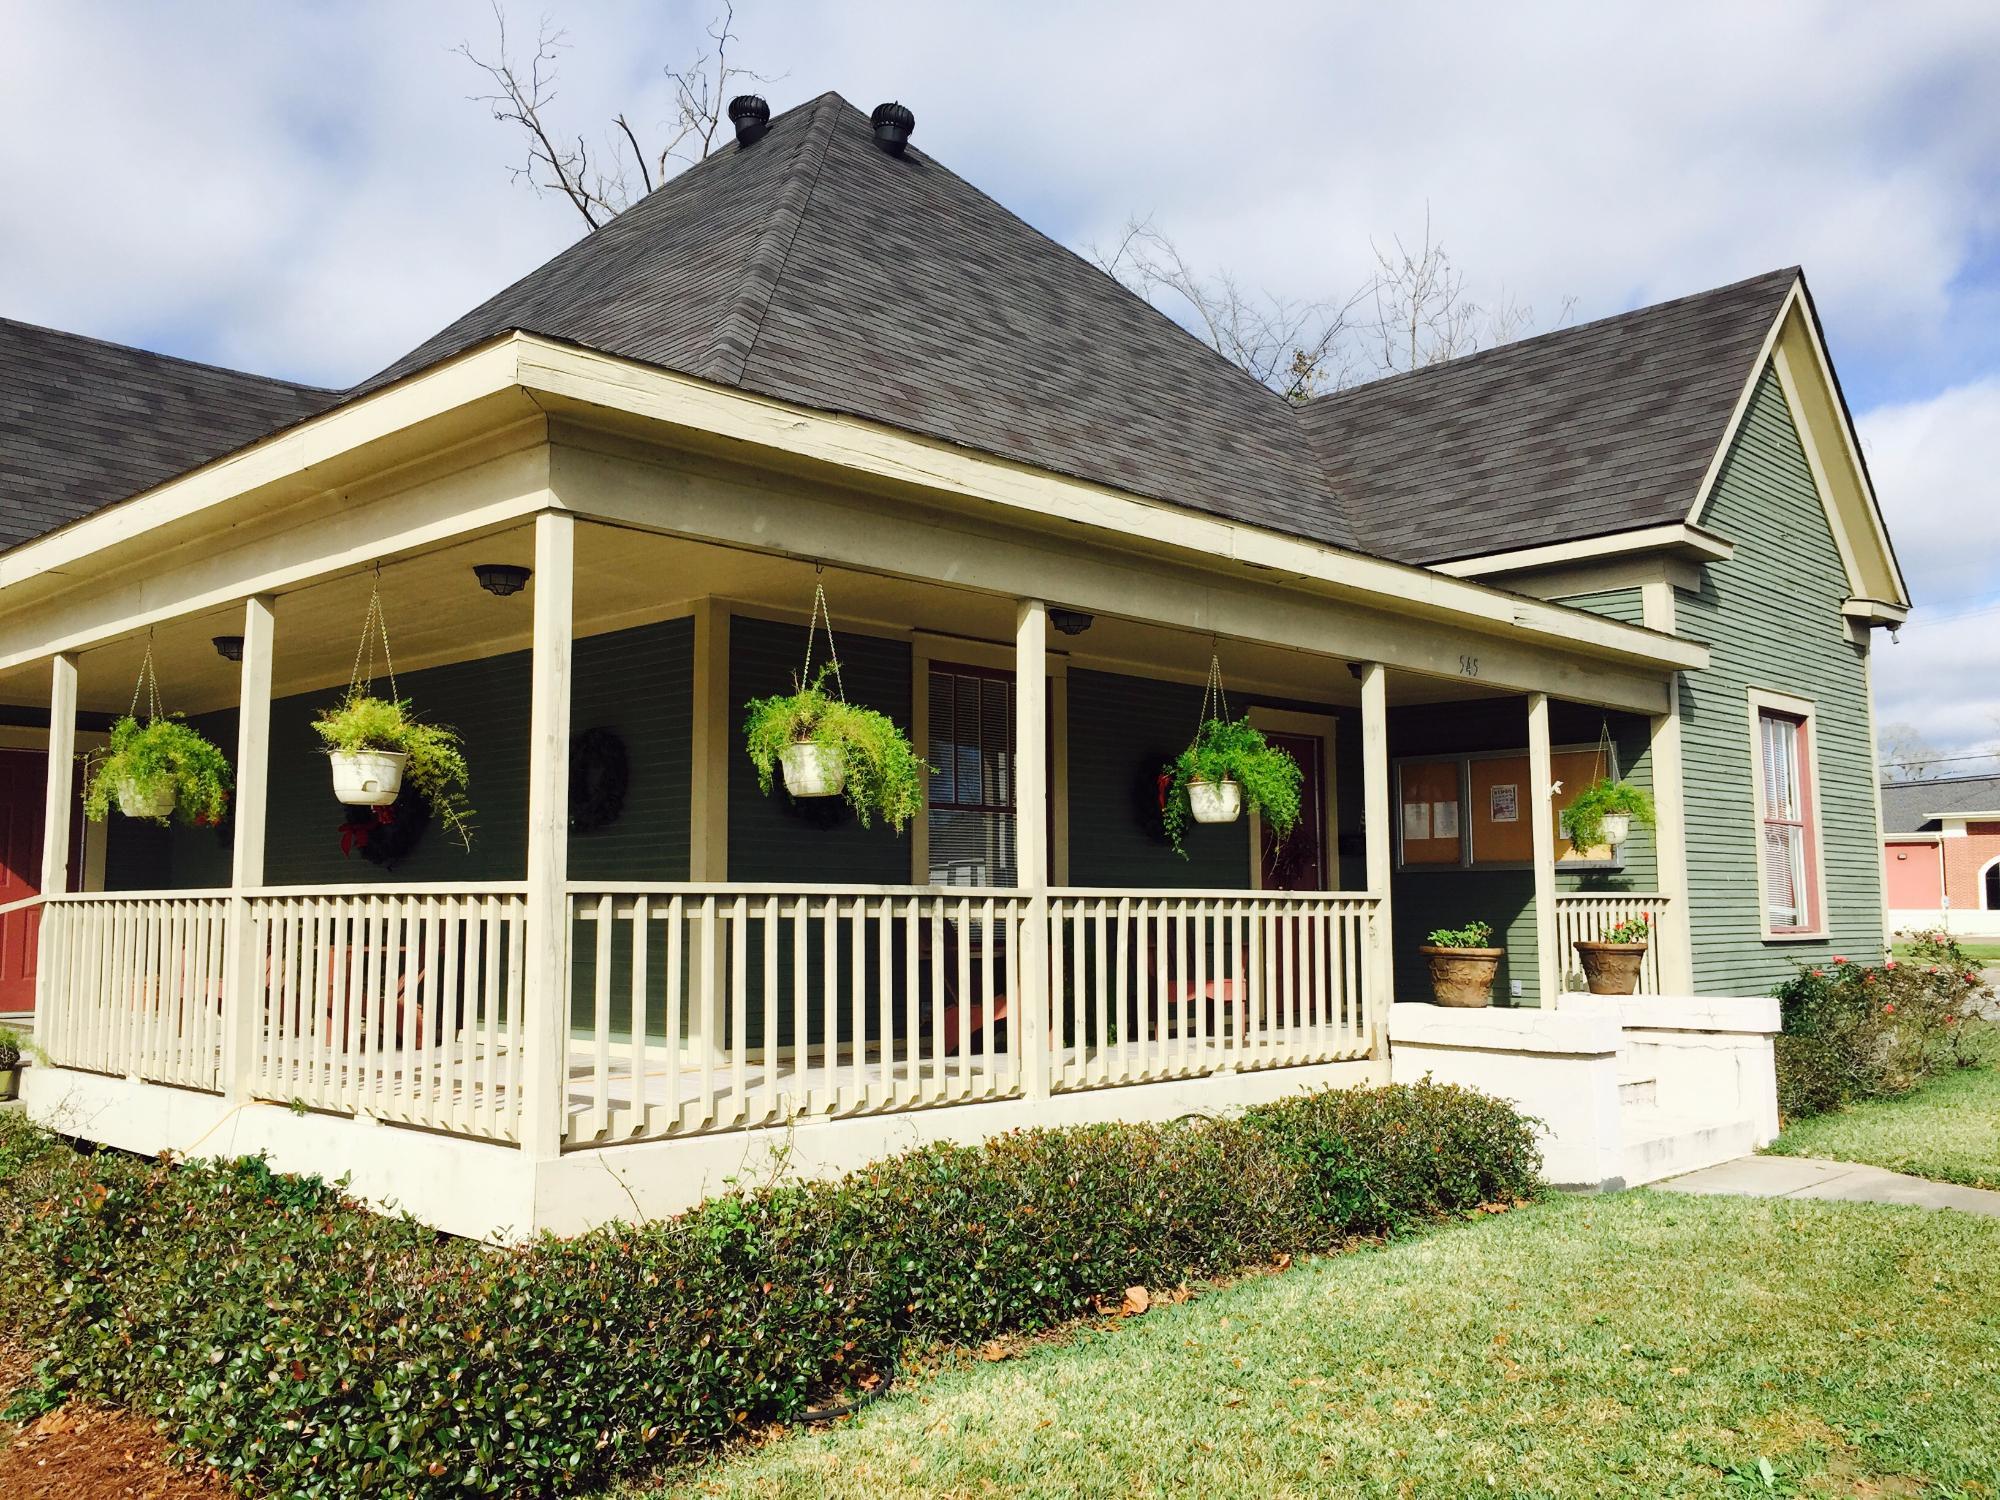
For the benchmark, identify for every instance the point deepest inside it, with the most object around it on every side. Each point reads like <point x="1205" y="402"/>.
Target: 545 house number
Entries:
<point x="1468" y="666"/>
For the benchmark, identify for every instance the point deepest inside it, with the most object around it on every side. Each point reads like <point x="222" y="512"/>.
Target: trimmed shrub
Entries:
<point x="310" y="1348"/>
<point x="1862" y="1031"/>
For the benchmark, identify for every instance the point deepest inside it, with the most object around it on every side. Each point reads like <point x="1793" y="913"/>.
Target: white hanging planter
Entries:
<point x="135" y="803"/>
<point x="368" y="778"/>
<point x="1617" y="827"/>
<point x="1215" y="801"/>
<point x="813" y="770"/>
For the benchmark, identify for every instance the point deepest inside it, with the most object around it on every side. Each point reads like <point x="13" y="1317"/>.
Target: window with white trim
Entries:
<point x="971" y="744"/>
<point x="1791" y="862"/>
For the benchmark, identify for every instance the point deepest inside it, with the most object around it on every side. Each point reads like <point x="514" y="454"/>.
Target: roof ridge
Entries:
<point x="738" y="329"/>
<point x="178" y="359"/>
<point x="1459" y="362"/>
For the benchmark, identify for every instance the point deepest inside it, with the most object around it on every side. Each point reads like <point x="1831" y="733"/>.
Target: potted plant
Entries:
<point x="1230" y="763"/>
<point x="10" y="1063"/>
<point x="375" y="742"/>
<point x="1611" y="963"/>
<point x="827" y="747"/>
<point x="1604" y="812"/>
<point x="1462" y="966"/>
<point x="159" y="768"/>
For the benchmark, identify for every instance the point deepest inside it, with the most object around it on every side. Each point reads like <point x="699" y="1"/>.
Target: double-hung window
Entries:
<point x="1785" y="816"/>
<point x="972" y="790"/>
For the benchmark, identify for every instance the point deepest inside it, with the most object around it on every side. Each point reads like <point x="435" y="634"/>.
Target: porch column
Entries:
<point x="1031" y="841"/>
<point x="1376" y="830"/>
<point x="1674" y="935"/>
<point x="56" y="816"/>
<point x="1542" y="821"/>
<point x="545" y="1035"/>
<point x="243" y="979"/>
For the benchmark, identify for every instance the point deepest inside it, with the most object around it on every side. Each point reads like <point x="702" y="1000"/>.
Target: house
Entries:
<point x="1040" y="511"/>
<point x="1941" y="854"/>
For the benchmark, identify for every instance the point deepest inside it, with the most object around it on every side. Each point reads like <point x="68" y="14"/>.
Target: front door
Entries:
<point x="1298" y="863"/>
<point x="23" y="790"/>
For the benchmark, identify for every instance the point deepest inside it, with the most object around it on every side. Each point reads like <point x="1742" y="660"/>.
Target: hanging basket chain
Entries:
<point x="1213" y="695"/>
<point x="1605" y="750"/>
<point x="822" y="616"/>
<point x="374" y="626"/>
<point x="149" y="684"/>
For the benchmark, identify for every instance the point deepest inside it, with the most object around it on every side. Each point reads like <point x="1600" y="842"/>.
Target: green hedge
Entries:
<point x="1857" y="1031"/>
<point x="309" y="1348"/>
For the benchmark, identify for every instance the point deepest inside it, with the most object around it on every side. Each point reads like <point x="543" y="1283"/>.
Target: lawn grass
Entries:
<point x="1948" y="1130"/>
<point x="1637" y="1344"/>
<point x="1984" y="954"/>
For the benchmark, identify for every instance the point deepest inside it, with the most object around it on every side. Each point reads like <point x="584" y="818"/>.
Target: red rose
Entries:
<point x="1838" y="959"/>
<point x="1889" y="1009"/>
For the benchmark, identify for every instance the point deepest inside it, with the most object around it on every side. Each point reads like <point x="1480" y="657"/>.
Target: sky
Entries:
<point x="309" y="190"/>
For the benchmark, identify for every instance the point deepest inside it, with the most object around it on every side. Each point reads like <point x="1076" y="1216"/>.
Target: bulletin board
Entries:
<point x="1503" y="829"/>
<point x="1429" y="819"/>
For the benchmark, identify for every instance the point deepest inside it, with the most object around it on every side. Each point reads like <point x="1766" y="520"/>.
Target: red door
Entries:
<point x="23" y="790"/>
<point x="1298" y="863"/>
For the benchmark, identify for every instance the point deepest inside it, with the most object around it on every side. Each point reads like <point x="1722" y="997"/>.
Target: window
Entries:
<point x="972" y="791"/>
<point x="1990" y="882"/>
<point x="1785" y="810"/>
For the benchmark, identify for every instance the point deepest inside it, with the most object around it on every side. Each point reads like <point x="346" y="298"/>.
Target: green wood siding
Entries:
<point x="1771" y="618"/>
<point x="1623" y="605"/>
<point x="638" y="682"/>
<point x="1424" y="899"/>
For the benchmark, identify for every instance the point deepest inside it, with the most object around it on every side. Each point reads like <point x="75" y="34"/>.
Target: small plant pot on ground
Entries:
<point x="368" y="778"/>
<point x="1463" y="977"/>
<point x="10" y="1084"/>
<point x="136" y="801"/>
<point x="814" y="770"/>
<point x="1215" y="801"/>
<point x="1611" y="968"/>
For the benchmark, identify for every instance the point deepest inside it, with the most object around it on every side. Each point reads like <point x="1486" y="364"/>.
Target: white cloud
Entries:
<point x="307" y="188"/>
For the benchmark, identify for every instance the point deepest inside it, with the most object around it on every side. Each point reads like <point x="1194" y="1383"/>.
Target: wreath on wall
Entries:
<point x="385" y="835"/>
<point x="600" y="770"/>
<point x="1149" y="795"/>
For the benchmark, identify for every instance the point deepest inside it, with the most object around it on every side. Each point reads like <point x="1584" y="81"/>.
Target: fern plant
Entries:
<point x="1598" y="801"/>
<point x="884" y="776"/>
<point x="1233" y="750"/>
<point x="162" y="756"/>
<point x="436" y="767"/>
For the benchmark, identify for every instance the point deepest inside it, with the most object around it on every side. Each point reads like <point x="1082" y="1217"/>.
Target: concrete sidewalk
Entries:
<point x="1809" y="1177"/>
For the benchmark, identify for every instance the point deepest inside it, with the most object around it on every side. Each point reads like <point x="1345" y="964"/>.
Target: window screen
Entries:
<point x="972" y="789"/>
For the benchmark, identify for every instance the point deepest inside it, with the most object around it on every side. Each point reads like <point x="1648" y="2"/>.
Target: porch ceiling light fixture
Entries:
<point x="1071" y="621"/>
<point x="501" y="579"/>
<point x="229" y="647"/>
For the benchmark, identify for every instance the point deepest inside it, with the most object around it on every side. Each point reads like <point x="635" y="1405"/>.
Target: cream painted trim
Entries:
<point x="928" y="646"/>
<point x="1632" y="572"/>
<point x="1670" y="809"/>
<point x="1760" y="699"/>
<point x="1875" y="783"/>
<point x="1549" y="958"/>
<point x="1875" y="611"/>
<point x="886" y="456"/>
<point x="1793" y="350"/>
<point x="1325" y="726"/>
<point x="1979" y="883"/>
<point x="1682" y="536"/>
<point x="708" y="789"/>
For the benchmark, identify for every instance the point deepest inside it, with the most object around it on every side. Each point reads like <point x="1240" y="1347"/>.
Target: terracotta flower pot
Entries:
<point x="1463" y="976"/>
<point x="1611" y="968"/>
<point x="1215" y="801"/>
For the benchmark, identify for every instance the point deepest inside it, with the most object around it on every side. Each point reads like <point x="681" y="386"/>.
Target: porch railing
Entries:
<point x="131" y="983"/>
<point x="707" y="1006"/>
<point x="1585" y="916"/>
<point x="1170" y="984"/>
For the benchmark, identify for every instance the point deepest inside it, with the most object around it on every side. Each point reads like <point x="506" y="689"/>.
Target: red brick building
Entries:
<point x="1941" y="853"/>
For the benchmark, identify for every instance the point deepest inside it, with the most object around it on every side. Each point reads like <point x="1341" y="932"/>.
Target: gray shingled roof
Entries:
<point x="84" y="423"/>
<point x="1605" y="427"/>
<point x="816" y="268"/>
<point x="1908" y="806"/>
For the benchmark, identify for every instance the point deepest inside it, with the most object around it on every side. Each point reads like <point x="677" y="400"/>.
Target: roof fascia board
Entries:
<point x="1686" y="539"/>
<point x="1706" y="489"/>
<point x="884" y="454"/>
<point x="485" y="371"/>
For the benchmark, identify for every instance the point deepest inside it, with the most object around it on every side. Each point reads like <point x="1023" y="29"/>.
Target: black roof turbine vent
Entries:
<point x="751" y="116"/>
<point x="893" y="124"/>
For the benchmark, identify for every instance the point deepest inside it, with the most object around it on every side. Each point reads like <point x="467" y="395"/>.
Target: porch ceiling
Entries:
<point x="437" y="613"/>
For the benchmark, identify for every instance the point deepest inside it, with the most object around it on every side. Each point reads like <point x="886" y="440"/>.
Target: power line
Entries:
<point x="1938" y="760"/>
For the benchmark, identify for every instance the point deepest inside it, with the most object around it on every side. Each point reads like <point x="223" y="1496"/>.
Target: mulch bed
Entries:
<point x="85" y="1452"/>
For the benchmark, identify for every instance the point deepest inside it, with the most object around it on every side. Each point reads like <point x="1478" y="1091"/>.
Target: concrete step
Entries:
<point x="1660" y="1145"/>
<point x="1637" y="1089"/>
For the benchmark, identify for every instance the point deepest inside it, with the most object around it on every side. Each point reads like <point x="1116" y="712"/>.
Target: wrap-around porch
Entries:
<point x="718" y="960"/>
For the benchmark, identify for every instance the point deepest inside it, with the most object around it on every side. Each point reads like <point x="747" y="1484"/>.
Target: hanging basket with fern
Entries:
<point x="158" y="768"/>
<point x="1227" y="764"/>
